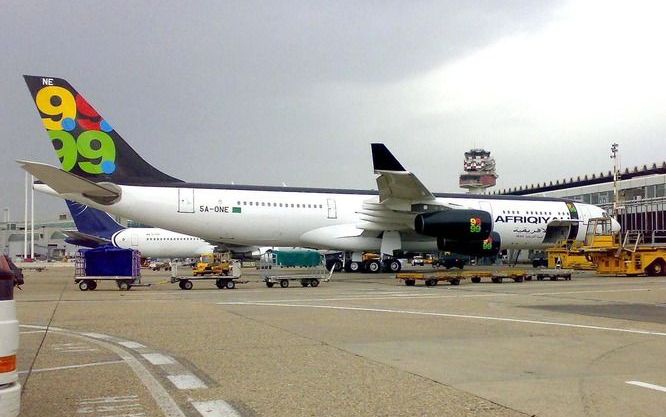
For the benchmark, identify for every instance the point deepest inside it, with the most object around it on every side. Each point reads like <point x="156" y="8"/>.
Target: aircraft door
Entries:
<point x="332" y="210"/>
<point x="185" y="200"/>
<point x="135" y="240"/>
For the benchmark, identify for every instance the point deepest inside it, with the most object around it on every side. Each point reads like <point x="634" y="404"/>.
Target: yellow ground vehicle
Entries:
<point x="212" y="264"/>
<point x="568" y="255"/>
<point x="622" y="255"/>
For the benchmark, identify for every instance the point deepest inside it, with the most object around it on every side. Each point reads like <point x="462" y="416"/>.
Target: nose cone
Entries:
<point x="615" y="226"/>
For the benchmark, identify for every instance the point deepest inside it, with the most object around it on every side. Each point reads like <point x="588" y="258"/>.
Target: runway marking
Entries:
<point x="73" y="347"/>
<point x="464" y="316"/>
<point x="158" y="359"/>
<point x="167" y="404"/>
<point x="186" y="381"/>
<point x="218" y="408"/>
<point x="417" y="295"/>
<point x="97" y="336"/>
<point x="131" y="345"/>
<point x="646" y="385"/>
<point x="122" y="406"/>
<point x="84" y="365"/>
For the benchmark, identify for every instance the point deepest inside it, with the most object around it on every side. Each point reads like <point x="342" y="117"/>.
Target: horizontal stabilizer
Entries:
<point x="67" y="183"/>
<point x="85" y="239"/>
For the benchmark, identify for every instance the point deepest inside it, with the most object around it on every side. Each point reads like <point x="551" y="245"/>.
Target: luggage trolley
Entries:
<point x="283" y="266"/>
<point x="108" y="264"/>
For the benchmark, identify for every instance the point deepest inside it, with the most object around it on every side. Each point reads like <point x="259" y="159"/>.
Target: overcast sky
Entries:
<point x="294" y="92"/>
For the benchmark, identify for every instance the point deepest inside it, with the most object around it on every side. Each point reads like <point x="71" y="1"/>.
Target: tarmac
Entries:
<point x="359" y="345"/>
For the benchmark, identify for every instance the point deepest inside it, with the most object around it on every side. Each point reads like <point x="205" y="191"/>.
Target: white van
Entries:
<point x="10" y="388"/>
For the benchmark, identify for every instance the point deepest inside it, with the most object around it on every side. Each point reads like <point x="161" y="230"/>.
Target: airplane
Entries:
<point x="101" y="170"/>
<point x="96" y="228"/>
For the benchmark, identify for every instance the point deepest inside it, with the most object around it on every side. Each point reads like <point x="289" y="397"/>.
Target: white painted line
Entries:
<point x="84" y="365"/>
<point x="417" y="295"/>
<point x="217" y="408"/>
<point x="158" y="359"/>
<point x="186" y="381"/>
<point x="131" y="345"/>
<point x="98" y="336"/>
<point x="646" y="385"/>
<point x="33" y="331"/>
<point x="466" y="316"/>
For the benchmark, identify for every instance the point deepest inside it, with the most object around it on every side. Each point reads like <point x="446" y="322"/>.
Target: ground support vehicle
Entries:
<point x="628" y="255"/>
<point x="212" y="264"/>
<point x="568" y="255"/>
<point x="123" y="266"/>
<point x="10" y="387"/>
<point x="373" y="262"/>
<point x="498" y="276"/>
<point x="552" y="274"/>
<point x="455" y="277"/>
<point x="448" y="262"/>
<point x="283" y="266"/>
<point x="227" y="281"/>
<point x="430" y="279"/>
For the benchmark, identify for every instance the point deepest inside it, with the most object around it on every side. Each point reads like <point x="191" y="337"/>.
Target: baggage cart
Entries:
<point x="305" y="266"/>
<point x="123" y="266"/>
<point x="225" y="281"/>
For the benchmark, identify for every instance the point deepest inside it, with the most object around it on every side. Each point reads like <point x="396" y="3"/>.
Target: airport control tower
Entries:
<point x="479" y="171"/>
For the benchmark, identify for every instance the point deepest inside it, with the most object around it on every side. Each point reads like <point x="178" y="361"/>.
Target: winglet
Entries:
<point x="383" y="159"/>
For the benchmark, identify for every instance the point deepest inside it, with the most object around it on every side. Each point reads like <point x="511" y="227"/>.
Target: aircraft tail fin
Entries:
<point x="87" y="144"/>
<point x="92" y="221"/>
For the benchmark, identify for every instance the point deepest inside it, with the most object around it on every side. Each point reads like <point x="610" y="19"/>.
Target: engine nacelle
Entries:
<point x="487" y="247"/>
<point x="461" y="225"/>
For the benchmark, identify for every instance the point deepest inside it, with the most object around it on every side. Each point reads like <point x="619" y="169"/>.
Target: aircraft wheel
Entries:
<point x="284" y="283"/>
<point x="354" y="266"/>
<point x="395" y="266"/>
<point x="314" y="282"/>
<point x="83" y="285"/>
<point x="374" y="267"/>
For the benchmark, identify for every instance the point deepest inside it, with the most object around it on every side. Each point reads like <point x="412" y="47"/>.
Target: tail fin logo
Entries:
<point x="79" y="134"/>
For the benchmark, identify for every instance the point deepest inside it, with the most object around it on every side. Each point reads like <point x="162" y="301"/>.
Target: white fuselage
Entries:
<point x="160" y="243"/>
<point x="322" y="219"/>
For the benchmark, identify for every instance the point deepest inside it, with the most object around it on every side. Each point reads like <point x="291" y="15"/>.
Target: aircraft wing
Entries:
<point x="394" y="181"/>
<point x="67" y="183"/>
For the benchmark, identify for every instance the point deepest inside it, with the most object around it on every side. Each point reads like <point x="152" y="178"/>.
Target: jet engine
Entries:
<point x="487" y="247"/>
<point x="459" y="225"/>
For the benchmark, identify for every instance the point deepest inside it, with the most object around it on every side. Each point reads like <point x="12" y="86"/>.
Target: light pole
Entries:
<point x="616" y="176"/>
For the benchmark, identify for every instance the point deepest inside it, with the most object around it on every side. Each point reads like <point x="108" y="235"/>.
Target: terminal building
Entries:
<point x="641" y="195"/>
<point x="48" y="237"/>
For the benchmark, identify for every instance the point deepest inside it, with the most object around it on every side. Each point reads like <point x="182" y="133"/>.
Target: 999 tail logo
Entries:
<point x="79" y="134"/>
